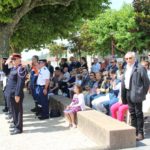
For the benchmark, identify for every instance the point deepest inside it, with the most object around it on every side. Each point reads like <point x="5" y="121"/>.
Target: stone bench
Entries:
<point x="105" y="130"/>
<point x="100" y="128"/>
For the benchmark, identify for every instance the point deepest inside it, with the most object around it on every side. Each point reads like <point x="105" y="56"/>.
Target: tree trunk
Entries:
<point x="4" y="40"/>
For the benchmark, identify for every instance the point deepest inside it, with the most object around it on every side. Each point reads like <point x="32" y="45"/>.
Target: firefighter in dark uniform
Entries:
<point x="15" y="85"/>
<point x="42" y="89"/>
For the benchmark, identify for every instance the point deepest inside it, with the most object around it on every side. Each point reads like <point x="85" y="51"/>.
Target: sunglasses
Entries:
<point x="112" y="62"/>
<point x="129" y="58"/>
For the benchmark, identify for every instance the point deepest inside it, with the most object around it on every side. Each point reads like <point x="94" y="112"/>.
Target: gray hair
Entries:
<point x="131" y="53"/>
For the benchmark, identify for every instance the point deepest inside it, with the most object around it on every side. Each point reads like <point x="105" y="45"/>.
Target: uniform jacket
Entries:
<point x="16" y="81"/>
<point x="139" y="85"/>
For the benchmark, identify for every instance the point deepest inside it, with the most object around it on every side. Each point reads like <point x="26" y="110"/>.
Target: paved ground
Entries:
<point x="52" y="134"/>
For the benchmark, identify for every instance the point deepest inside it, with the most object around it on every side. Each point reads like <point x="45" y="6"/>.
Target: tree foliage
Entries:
<point x="36" y="22"/>
<point x="112" y="28"/>
<point x="57" y="50"/>
<point x="142" y="9"/>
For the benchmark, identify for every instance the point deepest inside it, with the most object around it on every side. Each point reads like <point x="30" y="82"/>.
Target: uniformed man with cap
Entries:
<point x="15" y="85"/>
<point x="42" y="89"/>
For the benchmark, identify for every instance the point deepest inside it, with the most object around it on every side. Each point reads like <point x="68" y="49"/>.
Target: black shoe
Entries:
<point x="7" y="113"/>
<point x="16" y="131"/>
<point x="34" y="109"/>
<point x="8" y="117"/>
<point x="11" y="129"/>
<point x="43" y="118"/>
<point x="12" y="125"/>
<point x="38" y="112"/>
<point x="10" y="121"/>
<point x="5" y="110"/>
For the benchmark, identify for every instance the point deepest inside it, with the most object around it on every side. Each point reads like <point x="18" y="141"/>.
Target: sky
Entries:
<point x="116" y="4"/>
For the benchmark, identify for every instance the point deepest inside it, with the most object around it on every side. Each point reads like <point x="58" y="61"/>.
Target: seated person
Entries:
<point x="85" y="78"/>
<point x="56" y="81"/>
<point x="76" y="105"/>
<point x="104" y="103"/>
<point x="51" y="86"/>
<point x="64" y="81"/>
<point x="89" y="87"/>
<point x="78" y="80"/>
<point x="118" y="110"/>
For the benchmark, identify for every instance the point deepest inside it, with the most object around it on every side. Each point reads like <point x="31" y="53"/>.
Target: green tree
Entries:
<point x="57" y="50"/>
<point x="112" y="30"/>
<point x="142" y="9"/>
<point x="34" y="23"/>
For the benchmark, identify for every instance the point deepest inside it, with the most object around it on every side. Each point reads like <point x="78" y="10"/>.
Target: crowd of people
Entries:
<point x="110" y="87"/>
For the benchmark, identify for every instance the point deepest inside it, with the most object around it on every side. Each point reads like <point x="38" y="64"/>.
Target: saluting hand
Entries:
<point x="45" y="91"/>
<point x="17" y="99"/>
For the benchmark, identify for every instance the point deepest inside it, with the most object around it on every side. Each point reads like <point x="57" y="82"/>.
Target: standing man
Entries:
<point x="42" y="89"/>
<point x="135" y="85"/>
<point x="33" y="79"/>
<point x="15" y="85"/>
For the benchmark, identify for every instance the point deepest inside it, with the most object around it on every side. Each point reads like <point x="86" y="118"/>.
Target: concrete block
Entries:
<point x="105" y="130"/>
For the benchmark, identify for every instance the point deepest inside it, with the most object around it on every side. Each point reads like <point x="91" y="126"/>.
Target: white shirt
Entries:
<point x="66" y="76"/>
<point x="78" y="82"/>
<point x="95" y="67"/>
<point x="43" y="75"/>
<point x="148" y="73"/>
<point x="128" y="73"/>
<point x="80" y="98"/>
<point x="118" y="87"/>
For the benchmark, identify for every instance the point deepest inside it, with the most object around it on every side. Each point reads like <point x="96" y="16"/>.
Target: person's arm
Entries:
<point x="47" y="81"/>
<point x="145" y="79"/>
<point x="117" y="86"/>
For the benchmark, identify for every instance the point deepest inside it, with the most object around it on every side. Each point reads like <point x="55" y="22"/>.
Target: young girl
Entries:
<point x="76" y="105"/>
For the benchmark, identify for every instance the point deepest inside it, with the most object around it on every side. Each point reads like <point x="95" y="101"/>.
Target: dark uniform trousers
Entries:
<point x="9" y="104"/>
<point x="136" y="114"/>
<point x="17" y="112"/>
<point x="43" y="101"/>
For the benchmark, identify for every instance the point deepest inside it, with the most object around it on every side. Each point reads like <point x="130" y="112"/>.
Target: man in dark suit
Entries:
<point x="14" y="89"/>
<point x="135" y="85"/>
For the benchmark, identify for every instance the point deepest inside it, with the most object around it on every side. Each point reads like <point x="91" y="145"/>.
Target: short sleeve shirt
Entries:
<point x="44" y="74"/>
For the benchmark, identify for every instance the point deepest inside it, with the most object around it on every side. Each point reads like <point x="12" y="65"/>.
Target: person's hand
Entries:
<point x="102" y="90"/>
<point x="45" y="91"/>
<point x="98" y="90"/>
<point x="17" y="99"/>
<point x="68" y="107"/>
